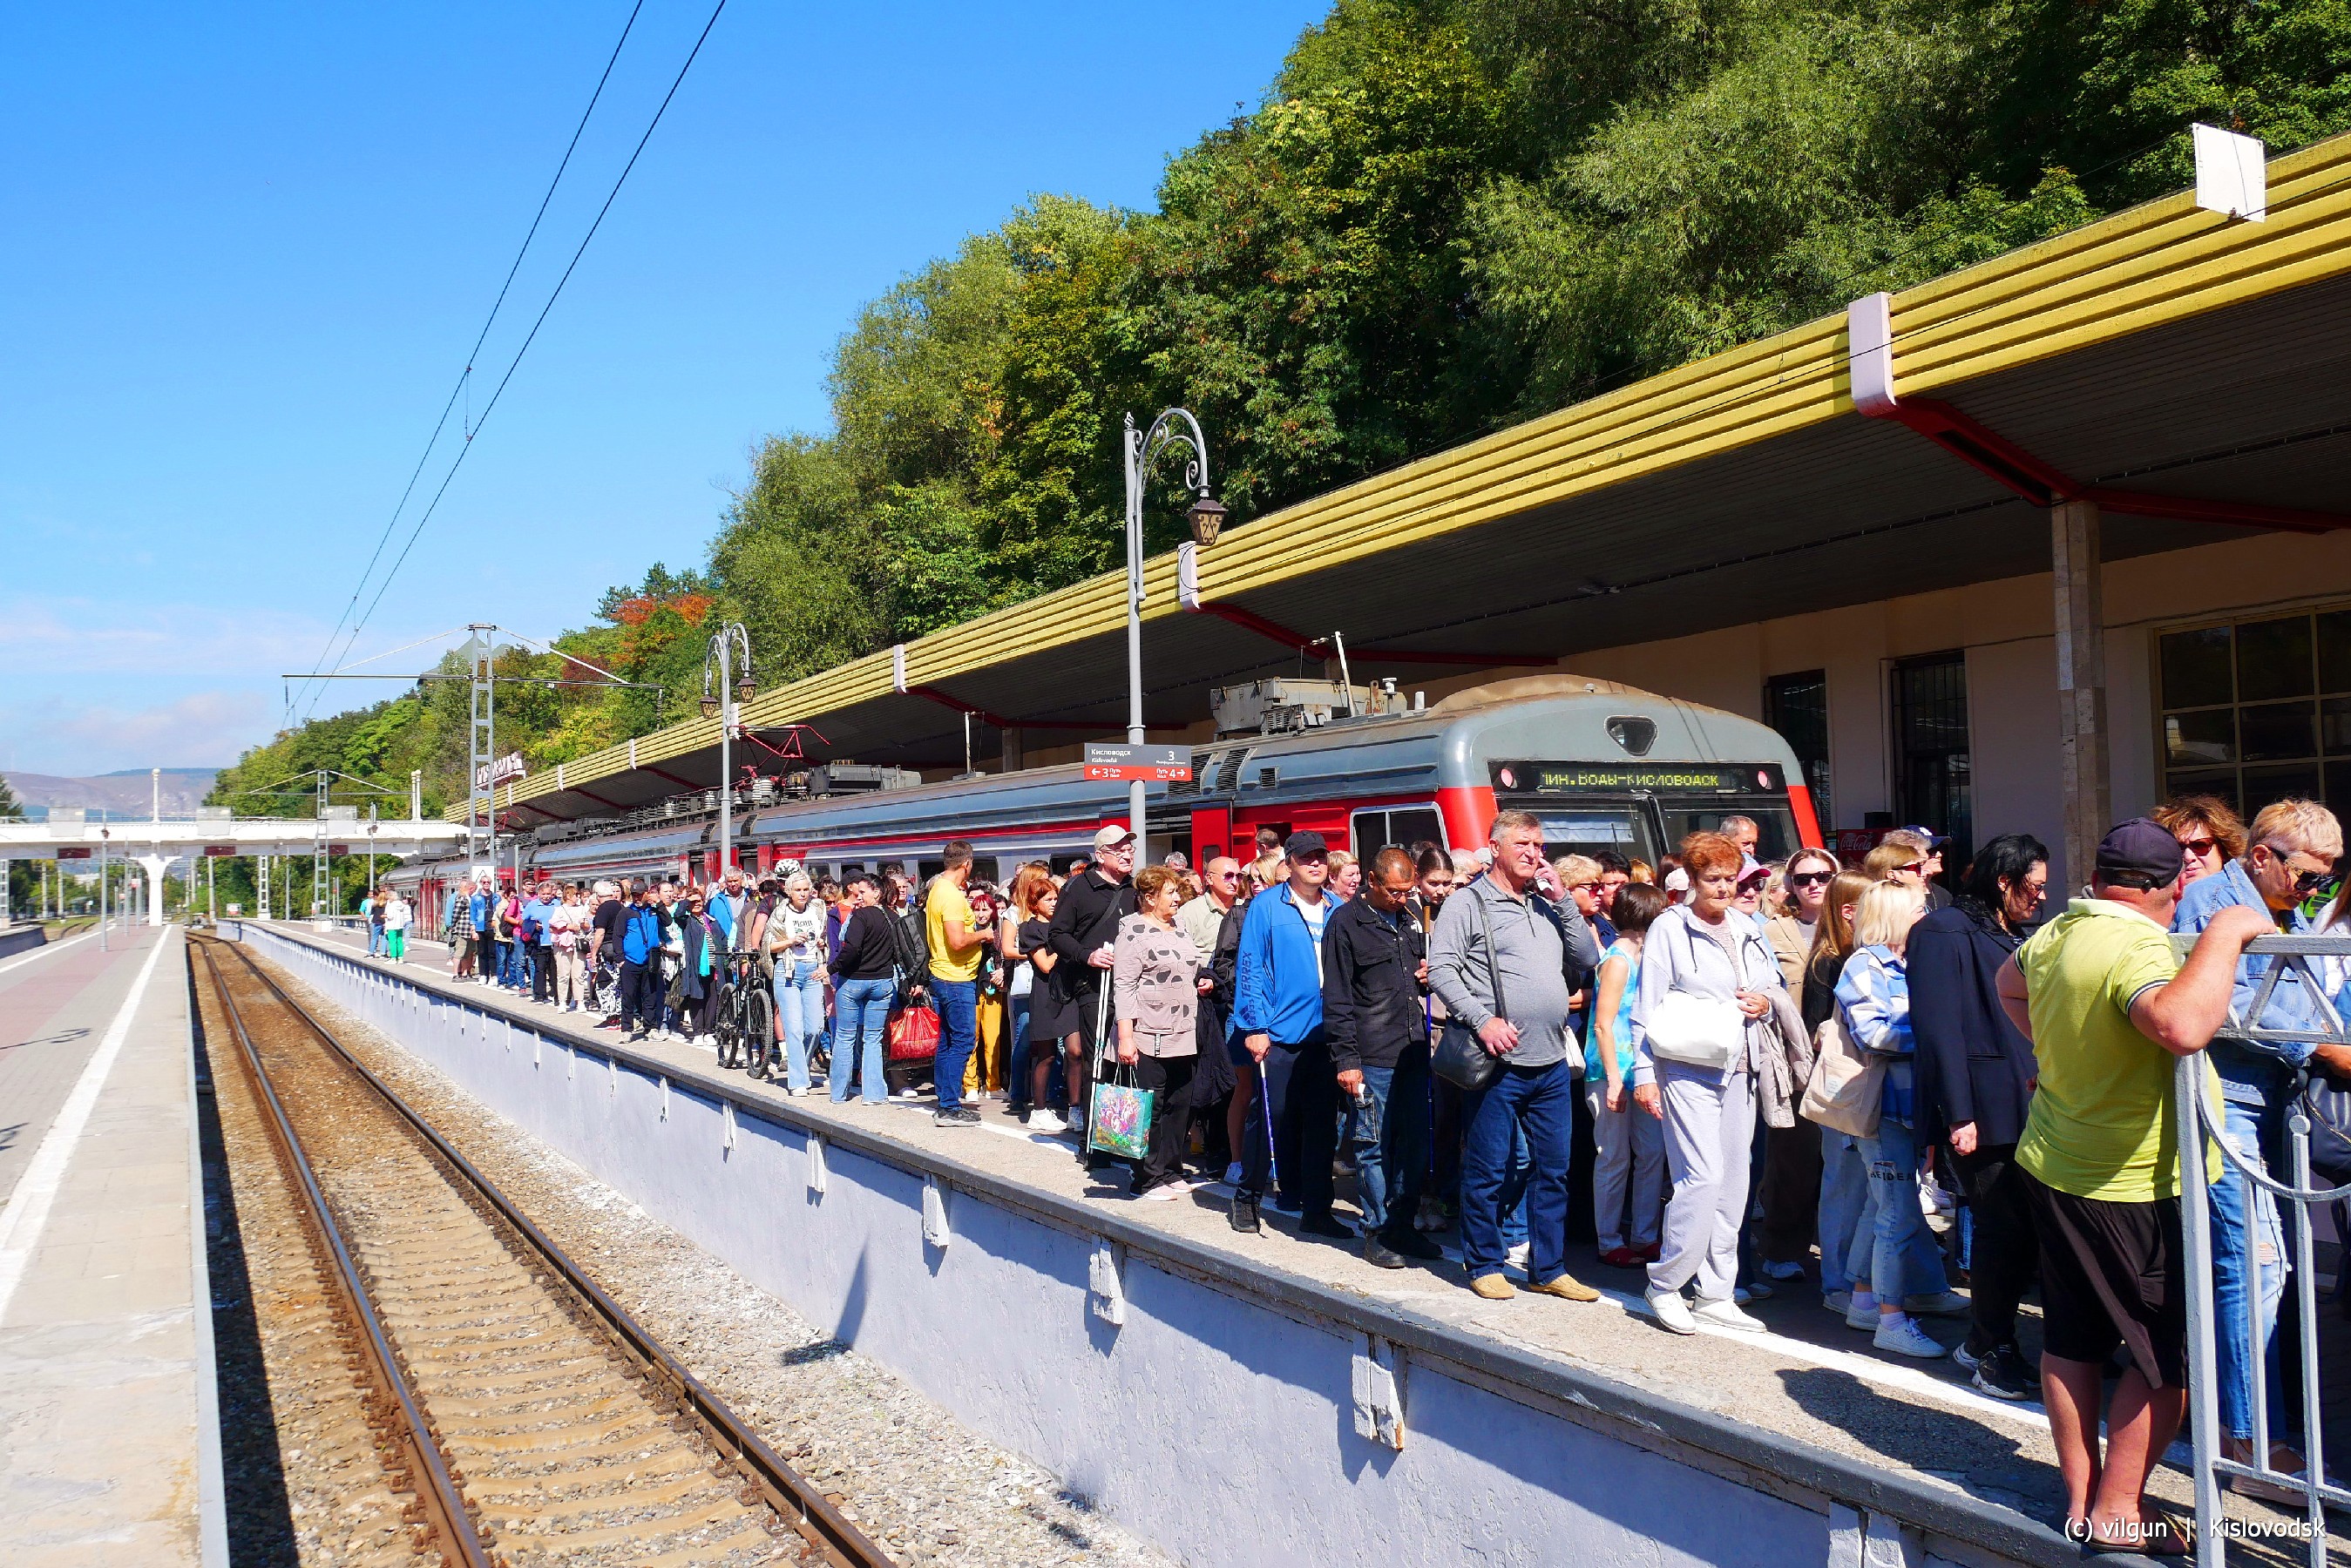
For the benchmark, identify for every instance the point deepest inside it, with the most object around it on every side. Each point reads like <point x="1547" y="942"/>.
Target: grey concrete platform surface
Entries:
<point x="108" y="1434"/>
<point x="1806" y="1416"/>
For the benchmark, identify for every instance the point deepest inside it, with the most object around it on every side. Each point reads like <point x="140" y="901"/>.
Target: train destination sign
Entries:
<point x="72" y="852"/>
<point x="1159" y="764"/>
<point x="1667" y="778"/>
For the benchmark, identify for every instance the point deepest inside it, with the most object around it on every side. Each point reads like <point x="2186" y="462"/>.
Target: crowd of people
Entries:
<point x="1733" y="1078"/>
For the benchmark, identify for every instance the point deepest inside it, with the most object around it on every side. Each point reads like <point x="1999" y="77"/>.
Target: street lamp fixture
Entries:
<point x="1207" y="518"/>
<point x="1174" y="427"/>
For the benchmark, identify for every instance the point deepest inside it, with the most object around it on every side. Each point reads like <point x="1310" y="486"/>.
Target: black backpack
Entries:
<point x="910" y="944"/>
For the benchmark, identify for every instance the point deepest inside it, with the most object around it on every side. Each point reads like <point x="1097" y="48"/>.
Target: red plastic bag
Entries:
<point x="913" y="1033"/>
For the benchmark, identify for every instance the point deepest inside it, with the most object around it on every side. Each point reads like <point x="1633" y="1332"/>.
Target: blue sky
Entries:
<point x="248" y="246"/>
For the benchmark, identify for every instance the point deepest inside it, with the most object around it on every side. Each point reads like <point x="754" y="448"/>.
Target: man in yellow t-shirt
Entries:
<point x="2108" y="1011"/>
<point x="955" y="981"/>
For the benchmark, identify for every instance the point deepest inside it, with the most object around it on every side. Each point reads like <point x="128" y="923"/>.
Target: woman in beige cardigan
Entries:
<point x="1156" y="979"/>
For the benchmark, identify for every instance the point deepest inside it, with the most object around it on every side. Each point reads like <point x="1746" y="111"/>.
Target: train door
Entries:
<point x="1212" y="833"/>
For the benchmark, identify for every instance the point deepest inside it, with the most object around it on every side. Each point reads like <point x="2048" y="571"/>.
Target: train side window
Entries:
<point x="927" y="869"/>
<point x="982" y="868"/>
<point x="1371" y="833"/>
<point x="1061" y="863"/>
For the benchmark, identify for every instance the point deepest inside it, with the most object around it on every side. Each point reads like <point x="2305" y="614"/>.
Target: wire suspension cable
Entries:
<point x="465" y="375"/>
<point x="417" y="532"/>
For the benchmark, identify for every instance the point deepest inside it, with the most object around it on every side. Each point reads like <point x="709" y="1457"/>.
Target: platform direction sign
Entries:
<point x="1159" y="764"/>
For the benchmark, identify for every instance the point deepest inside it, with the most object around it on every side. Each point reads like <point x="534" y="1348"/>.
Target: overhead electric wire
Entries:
<point x="417" y="532"/>
<point x="327" y="654"/>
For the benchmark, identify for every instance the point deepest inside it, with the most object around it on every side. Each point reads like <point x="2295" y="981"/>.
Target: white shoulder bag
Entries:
<point x="1696" y="1030"/>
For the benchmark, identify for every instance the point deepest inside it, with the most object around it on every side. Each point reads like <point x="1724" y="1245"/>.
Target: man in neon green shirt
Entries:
<point x="2108" y="1011"/>
<point x="955" y="974"/>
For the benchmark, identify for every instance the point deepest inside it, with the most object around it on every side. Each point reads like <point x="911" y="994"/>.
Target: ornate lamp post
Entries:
<point x="719" y="704"/>
<point x="1172" y="427"/>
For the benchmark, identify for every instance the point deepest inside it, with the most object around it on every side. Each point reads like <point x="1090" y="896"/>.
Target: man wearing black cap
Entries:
<point x="1292" y="1132"/>
<point x="2108" y="1009"/>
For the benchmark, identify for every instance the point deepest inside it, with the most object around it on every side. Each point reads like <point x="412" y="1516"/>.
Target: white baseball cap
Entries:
<point x="1110" y="836"/>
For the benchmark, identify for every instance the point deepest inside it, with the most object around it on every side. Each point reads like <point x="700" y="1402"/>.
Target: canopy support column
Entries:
<point x="2080" y="583"/>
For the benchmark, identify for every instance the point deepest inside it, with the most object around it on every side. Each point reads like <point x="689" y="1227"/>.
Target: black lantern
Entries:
<point x="1206" y="517"/>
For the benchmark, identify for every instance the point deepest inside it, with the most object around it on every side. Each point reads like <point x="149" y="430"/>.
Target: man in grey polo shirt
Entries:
<point x="1536" y="946"/>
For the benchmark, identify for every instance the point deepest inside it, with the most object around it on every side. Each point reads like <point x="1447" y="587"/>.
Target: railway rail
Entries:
<point x="527" y="1415"/>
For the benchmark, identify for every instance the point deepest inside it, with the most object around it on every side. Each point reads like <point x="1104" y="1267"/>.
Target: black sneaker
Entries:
<point x="1408" y="1243"/>
<point x="1325" y="1223"/>
<point x="2004" y="1375"/>
<point x="959" y="1116"/>
<point x="1244" y="1216"/>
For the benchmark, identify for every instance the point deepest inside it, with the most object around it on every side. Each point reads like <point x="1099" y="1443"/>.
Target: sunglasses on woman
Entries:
<point x="2199" y="847"/>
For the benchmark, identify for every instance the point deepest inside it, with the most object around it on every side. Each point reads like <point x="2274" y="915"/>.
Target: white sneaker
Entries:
<point x="1725" y="1315"/>
<point x="1517" y="1256"/>
<point x="1784" y="1270"/>
<point x="1903" y="1338"/>
<point x="1950" y="1304"/>
<point x="1862" y="1317"/>
<point x="1234" y="1172"/>
<point x="1670" y="1309"/>
<point x="1041" y="1120"/>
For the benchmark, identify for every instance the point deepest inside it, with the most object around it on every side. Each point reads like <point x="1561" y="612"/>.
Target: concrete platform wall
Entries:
<point x="1220" y="1419"/>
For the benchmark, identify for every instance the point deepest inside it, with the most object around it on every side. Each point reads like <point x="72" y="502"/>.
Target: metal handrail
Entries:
<point x="2199" y="1120"/>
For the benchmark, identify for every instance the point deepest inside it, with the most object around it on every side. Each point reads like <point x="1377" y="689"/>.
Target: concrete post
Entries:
<point x="154" y="866"/>
<point x="2083" y="775"/>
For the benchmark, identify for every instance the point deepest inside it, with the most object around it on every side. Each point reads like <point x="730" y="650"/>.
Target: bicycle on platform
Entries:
<point x="747" y="1018"/>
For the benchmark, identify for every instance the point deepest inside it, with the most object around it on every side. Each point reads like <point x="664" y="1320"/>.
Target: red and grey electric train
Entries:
<point x="1603" y="766"/>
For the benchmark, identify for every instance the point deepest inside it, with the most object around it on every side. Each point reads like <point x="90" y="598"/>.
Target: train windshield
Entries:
<point x="1777" y="837"/>
<point x="1643" y="811"/>
<point x="1588" y="830"/>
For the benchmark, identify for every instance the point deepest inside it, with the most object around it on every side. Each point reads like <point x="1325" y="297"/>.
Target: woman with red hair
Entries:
<point x="1714" y="1033"/>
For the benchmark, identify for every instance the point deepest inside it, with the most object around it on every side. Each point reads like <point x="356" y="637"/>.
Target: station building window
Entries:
<point x="1934" y="777"/>
<point x="1798" y="707"/>
<point x="2255" y="710"/>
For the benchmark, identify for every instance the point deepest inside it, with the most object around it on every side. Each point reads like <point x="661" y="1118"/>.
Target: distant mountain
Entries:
<point x="128" y="794"/>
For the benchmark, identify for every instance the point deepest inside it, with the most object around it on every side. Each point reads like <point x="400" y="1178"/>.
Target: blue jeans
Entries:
<point x="1391" y="1166"/>
<point x="375" y="939"/>
<point x="958" y="1004"/>
<point x="861" y="1020"/>
<point x="1844" y="1206"/>
<point x="1539" y="1100"/>
<point x="2245" y="1226"/>
<point x="1016" y="1018"/>
<point x="1896" y="1248"/>
<point x="800" y="1011"/>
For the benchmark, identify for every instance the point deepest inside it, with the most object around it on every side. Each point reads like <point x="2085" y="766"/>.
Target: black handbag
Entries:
<point x="1461" y="1058"/>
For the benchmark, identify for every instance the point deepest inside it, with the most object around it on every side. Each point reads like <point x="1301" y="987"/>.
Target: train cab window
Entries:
<point x="1777" y="840"/>
<point x="1591" y="830"/>
<point x="1402" y="826"/>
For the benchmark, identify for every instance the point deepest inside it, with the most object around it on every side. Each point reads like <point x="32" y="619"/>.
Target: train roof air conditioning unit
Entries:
<point x="856" y="778"/>
<point x="1286" y="705"/>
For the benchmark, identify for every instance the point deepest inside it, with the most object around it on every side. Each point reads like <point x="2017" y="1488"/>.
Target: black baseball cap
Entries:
<point x="1304" y="845"/>
<point x="2141" y="853"/>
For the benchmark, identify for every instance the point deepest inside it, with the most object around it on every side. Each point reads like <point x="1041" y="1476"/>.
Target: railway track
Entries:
<point x="522" y="1415"/>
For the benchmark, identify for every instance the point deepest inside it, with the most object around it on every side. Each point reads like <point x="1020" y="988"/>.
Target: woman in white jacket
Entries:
<point x="1707" y="1024"/>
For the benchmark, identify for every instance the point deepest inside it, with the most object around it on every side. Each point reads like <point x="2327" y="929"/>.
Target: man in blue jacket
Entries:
<point x="641" y="934"/>
<point x="1277" y="1014"/>
<point x="2292" y="848"/>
